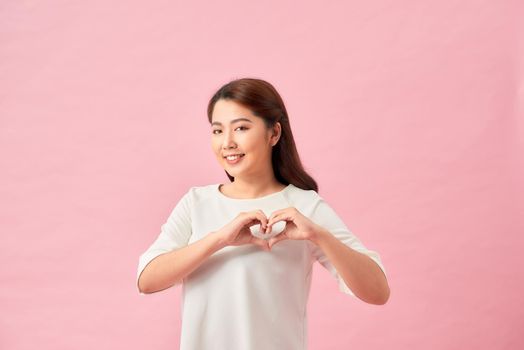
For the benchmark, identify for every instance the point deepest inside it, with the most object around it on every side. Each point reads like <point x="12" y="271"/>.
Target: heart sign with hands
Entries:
<point x="237" y="232"/>
<point x="296" y="226"/>
<point x="261" y="231"/>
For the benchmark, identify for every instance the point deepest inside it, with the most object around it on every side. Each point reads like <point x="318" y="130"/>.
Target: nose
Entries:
<point x="228" y="141"/>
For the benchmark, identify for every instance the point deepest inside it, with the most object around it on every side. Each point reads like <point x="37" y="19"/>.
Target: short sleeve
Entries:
<point x="326" y="217"/>
<point x="174" y="233"/>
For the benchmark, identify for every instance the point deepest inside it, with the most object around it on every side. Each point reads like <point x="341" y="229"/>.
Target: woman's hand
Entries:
<point x="237" y="231"/>
<point x="297" y="225"/>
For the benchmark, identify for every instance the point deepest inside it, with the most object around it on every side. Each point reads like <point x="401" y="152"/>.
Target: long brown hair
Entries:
<point x="265" y="102"/>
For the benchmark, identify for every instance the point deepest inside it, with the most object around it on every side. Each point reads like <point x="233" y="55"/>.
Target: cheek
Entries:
<point x="253" y="143"/>
<point x="215" y="147"/>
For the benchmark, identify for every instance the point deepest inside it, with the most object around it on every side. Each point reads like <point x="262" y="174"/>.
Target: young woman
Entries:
<point x="243" y="251"/>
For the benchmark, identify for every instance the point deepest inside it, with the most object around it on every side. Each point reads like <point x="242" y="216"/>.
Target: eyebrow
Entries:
<point x="233" y="121"/>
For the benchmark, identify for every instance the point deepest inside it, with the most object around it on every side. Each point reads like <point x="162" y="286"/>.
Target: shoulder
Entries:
<point x="201" y="192"/>
<point x="302" y="193"/>
<point x="301" y="197"/>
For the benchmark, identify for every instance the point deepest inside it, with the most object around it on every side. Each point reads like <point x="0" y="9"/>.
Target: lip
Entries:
<point x="234" y="154"/>
<point x="231" y="162"/>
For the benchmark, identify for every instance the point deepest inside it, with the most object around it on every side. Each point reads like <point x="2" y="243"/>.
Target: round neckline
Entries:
<point x="217" y="188"/>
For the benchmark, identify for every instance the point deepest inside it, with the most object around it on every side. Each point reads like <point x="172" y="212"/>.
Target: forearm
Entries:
<point x="171" y="268"/>
<point x="359" y="271"/>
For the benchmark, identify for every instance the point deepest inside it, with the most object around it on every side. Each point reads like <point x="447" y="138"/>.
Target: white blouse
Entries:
<point x="243" y="297"/>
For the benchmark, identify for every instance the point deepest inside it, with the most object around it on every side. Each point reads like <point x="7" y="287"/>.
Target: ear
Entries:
<point x="277" y="130"/>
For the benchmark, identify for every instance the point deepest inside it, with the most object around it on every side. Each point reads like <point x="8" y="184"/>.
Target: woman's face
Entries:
<point x="235" y="130"/>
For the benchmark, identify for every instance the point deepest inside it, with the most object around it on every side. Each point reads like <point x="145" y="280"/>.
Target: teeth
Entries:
<point x="233" y="157"/>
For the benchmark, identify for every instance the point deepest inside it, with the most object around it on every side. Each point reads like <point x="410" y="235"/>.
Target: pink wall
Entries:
<point x="408" y="114"/>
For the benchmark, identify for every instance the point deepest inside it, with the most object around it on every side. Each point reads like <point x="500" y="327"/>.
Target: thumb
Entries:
<point x="276" y="239"/>
<point x="261" y="242"/>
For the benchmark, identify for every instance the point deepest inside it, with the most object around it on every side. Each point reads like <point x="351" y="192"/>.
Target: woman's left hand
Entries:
<point x="297" y="225"/>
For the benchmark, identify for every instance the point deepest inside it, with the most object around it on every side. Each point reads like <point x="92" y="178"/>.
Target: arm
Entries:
<point x="359" y="271"/>
<point x="171" y="268"/>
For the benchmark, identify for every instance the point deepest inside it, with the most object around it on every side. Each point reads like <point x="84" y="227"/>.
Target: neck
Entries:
<point x="256" y="187"/>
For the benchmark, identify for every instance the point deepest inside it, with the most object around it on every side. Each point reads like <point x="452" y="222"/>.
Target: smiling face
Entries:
<point x="235" y="130"/>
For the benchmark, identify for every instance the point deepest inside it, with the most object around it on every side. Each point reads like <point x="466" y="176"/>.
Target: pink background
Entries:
<point x="408" y="114"/>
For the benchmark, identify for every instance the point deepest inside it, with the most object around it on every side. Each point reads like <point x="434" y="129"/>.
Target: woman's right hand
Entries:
<point x="237" y="231"/>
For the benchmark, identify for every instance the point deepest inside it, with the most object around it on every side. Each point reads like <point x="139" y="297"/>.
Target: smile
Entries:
<point x="234" y="158"/>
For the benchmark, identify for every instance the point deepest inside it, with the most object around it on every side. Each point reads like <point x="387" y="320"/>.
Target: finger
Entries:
<point x="261" y="217"/>
<point x="280" y="211"/>
<point x="275" y="213"/>
<point x="275" y="240"/>
<point x="279" y="217"/>
<point x="260" y="242"/>
<point x="255" y="217"/>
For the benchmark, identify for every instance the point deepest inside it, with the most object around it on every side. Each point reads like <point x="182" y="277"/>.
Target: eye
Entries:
<point x="240" y="127"/>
